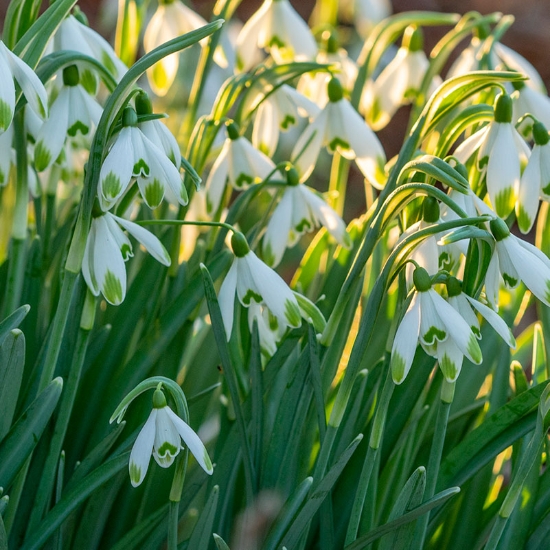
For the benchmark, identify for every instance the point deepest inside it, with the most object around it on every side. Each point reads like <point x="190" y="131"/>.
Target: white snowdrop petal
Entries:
<point x="432" y="328"/>
<point x="277" y="231"/>
<point x="493" y="318"/>
<point x="191" y="440"/>
<point x="405" y="342"/>
<point x="527" y="204"/>
<point x="226" y="298"/>
<point x="307" y="148"/>
<point x="167" y="440"/>
<point x="7" y="93"/>
<point x="141" y="450"/>
<point x="506" y="265"/>
<point x="88" y="268"/>
<point x="215" y="183"/>
<point x="492" y="281"/>
<point x="265" y="134"/>
<point x="450" y="359"/>
<point x="6" y="154"/>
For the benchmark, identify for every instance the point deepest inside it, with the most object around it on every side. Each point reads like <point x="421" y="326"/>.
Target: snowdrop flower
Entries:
<point x="515" y="260"/>
<point x="239" y="163"/>
<point x="172" y="19"/>
<point x="73" y="111"/>
<point x="279" y="111"/>
<point x="133" y="155"/>
<point x="438" y="327"/>
<point x="397" y="82"/>
<point x="279" y="29"/>
<point x="75" y="34"/>
<point x="253" y="281"/>
<point x="502" y="151"/>
<point x="107" y="248"/>
<point x="11" y="67"/>
<point x="300" y="210"/>
<point x="340" y="127"/>
<point x="161" y="436"/>
<point x="535" y="179"/>
<point x="6" y="155"/>
<point x="530" y="100"/>
<point x="269" y="329"/>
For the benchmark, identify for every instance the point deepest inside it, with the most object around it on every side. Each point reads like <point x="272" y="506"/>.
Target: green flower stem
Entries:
<point x="49" y="225"/>
<point x="447" y="394"/>
<point x="16" y="266"/>
<point x="338" y="181"/>
<point x="176" y="492"/>
<point x="185" y="222"/>
<point x="173" y="520"/>
<point x="371" y="457"/>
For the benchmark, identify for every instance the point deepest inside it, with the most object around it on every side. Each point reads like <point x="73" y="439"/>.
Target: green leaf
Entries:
<point x="539" y="367"/>
<point x="74" y="498"/>
<point x="203" y="528"/>
<point x="309" y="509"/>
<point x="3" y="536"/>
<point x="220" y="543"/>
<point x="12" y="321"/>
<point x="12" y="363"/>
<point x="375" y="534"/>
<point x="20" y="14"/>
<point x="410" y="498"/>
<point x="20" y="441"/>
<point x="498" y="431"/>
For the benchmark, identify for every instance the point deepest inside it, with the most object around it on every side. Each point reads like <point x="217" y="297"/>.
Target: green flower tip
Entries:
<point x="80" y="16"/>
<point x="335" y="90"/>
<point x="239" y="244"/>
<point x="397" y="368"/>
<point x="540" y="134"/>
<point x="292" y="176"/>
<point x="70" y="76"/>
<point x="129" y="117"/>
<point x="454" y="286"/>
<point x="159" y="400"/>
<point x="330" y="41"/>
<point x="413" y="39"/>
<point x="143" y="104"/>
<point x="482" y="31"/>
<point x="430" y="210"/>
<point x="499" y="229"/>
<point x="462" y="170"/>
<point x="503" y="108"/>
<point x="518" y="84"/>
<point x="422" y="280"/>
<point x="233" y="131"/>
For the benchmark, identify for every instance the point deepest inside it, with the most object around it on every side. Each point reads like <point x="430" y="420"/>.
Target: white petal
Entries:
<point x="432" y="328"/>
<point x="307" y="148"/>
<point x="7" y="94"/>
<point x="249" y="37"/>
<point x="6" y="154"/>
<point x="226" y="298"/>
<point x="450" y="359"/>
<point x="147" y="239"/>
<point x="460" y="303"/>
<point x="277" y="231"/>
<point x="405" y="341"/>
<point x="492" y="281"/>
<point x="495" y="321"/>
<point x="167" y="440"/>
<point x="529" y="190"/>
<point x="192" y="441"/>
<point x="123" y="242"/>
<point x="161" y="136"/>
<point x="88" y="268"/>
<point x="506" y="265"/>
<point x="141" y="451"/>
<point x="215" y="183"/>
<point x="246" y="164"/>
<point x="265" y="134"/>
<point x="470" y="145"/>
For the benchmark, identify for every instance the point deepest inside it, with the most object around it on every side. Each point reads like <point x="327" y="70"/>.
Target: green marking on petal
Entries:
<point x="42" y="156"/>
<point x="448" y="368"/>
<point x="6" y="115"/>
<point x="288" y="121"/>
<point x="126" y="251"/>
<point x="242" y="180"/>
<point x="112" y="288"/>
<point x="78" y="127"/>
<point x="524" y="220"/>
<point x="251" y="295"/>
<point x="207" y="462"/>
<point x="445" y="261"/>
<point x="546" y="189"/>
<point x="111" y="185"/>
<point x="434" y="334"/>
<point x="474" y="350"/>
<point x="303" y="225"/>
<point x="141" y="168"/>
<point x="183" y="193"/>
<point x="3" y="178"/>
<point x="88" y="81"/>
<point x="511" y="282"/>
<point x="483" y="161"/>
<point x="268" y="256"/>
<point x="154" y="191"/>
<point x="276" y="42"/>
<point x="167" y="449"/>
<point x="273" y="321"/>
<point x="505" y="202"/>
<point x="547" y="293"/>
<point x="476" y="331"/>
<point x="135" y="473"/>
<point x="338" y="142"/>
<point x="292" y="314"/>
<point x="108" y="63"/>
<point x="397" y="368"/>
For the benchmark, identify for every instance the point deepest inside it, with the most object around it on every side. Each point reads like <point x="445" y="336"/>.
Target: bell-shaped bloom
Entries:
<point x="340" y="128"/>
<point x="530" y="100"/>
<point x="253" y="281"/>
<point x="73" y="112"/>
<point x="161" y="436"/>
<point x="269" y="329"/>
<point x="133" y="155"/>
<point x="502" y="152"/>
<point x="160" y="135"/>
<point x="12" y="68"/>
<point x="107" y="248"/>
<point x="300" y="210"/>
<point x="278" y="112"/>
<point x="535" y="180"/>
<point x="513" y="261"/>
<point x="75" y="35"/>
<point x="397" y="82"/>
<point x="431" y="321"/>
<point x="277" y="28"/>
<point x="172" y="19"/>
<point x="240" y="163"/>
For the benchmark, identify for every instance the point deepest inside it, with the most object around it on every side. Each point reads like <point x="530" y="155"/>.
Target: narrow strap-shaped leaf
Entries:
<point x="203" y="528"/>
<point x="375" y="534"/>
<point x="12" y="321"/>
<point x="220" y="543"/>
<point x="72" y="499"/>
<point x="20" y="441"/>
<point x="134" y="538"/>
<point x="294" y="534"/>
<point x="12" y="363"/>
<point x="257" y="398"/>
<point x="3" y="536"/>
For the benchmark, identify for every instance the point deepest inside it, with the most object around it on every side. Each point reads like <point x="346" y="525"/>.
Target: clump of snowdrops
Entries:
<point x="177" y="255"/>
